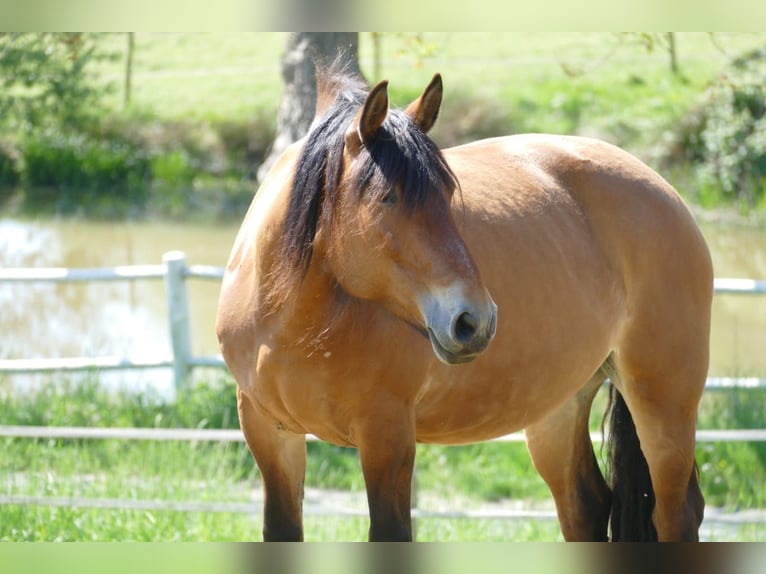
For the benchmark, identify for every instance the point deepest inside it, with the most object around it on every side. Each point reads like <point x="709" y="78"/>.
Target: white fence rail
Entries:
<point x="235" y="435"/>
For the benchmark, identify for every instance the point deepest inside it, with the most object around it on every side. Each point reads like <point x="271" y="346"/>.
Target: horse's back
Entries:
<point x="517" y="174"/>
<point x="640" y="223"/>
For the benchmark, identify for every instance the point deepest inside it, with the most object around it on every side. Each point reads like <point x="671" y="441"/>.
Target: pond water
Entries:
<point x="130" y="319"/>
<point x="127" y="319"/>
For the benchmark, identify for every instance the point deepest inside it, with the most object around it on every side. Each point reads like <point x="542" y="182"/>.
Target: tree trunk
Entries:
<point x="673" y="54"/>
<point x="129" y="68"/>
<point x="299" y="74"/>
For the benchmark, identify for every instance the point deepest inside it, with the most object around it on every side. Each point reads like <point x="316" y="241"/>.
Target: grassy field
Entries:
<point x="492" y="476"/>
<point x="560" y="82"/>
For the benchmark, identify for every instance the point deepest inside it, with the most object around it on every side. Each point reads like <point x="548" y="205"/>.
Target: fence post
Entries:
<point x="178" y="315"/>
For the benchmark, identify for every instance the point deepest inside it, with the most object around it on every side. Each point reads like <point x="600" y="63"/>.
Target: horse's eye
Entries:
<point x="390" y="197"/>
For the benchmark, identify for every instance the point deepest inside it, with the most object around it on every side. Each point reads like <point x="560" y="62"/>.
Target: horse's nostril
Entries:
<point x="465" y="328"/>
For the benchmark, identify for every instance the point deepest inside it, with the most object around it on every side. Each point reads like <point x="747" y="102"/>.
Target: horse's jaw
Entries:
<point x="447" y="357"/>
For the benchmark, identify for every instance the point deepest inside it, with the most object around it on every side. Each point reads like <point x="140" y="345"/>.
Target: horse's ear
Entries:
<point x="425" y="109"/>
<point x="365" y="126"/>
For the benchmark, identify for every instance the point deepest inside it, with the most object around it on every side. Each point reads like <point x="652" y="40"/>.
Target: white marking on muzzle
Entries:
<point x="459" y="328"/>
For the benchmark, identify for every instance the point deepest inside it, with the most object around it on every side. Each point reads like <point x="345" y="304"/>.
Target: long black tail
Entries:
<point x="632" y="493"/>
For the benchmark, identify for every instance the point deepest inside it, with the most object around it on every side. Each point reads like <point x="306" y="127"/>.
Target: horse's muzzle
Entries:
<point x="460" y="335"/>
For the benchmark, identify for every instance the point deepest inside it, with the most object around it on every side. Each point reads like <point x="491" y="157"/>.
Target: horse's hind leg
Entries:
<point x="281" y="458"/>
<point x="662" y="367"/>
<point x="665" y="418"/>
<point x="562" y="452"/>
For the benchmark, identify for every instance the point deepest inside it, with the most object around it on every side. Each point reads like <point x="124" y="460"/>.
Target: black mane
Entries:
<point x="401" y="155"/>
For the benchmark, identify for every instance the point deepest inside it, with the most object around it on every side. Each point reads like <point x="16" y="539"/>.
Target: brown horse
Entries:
<point x="356" y="306"/>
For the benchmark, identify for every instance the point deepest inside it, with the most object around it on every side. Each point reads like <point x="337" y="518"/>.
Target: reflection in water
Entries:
<point x="739" y="321"/>
<point x="125" y="319"/>
<point x="130" y="319"/>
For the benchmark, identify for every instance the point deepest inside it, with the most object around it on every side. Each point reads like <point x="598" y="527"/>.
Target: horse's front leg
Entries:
<point x="281" y="458"/>
<point x="386" y="441"/>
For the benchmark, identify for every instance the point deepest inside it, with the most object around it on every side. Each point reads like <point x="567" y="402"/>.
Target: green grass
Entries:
<point x="449" y="478"/>
<point x="598" y="83"/>
<point x="45" y="524"/>
<point x="198" y="77"/>
<point x="734" y="474"/>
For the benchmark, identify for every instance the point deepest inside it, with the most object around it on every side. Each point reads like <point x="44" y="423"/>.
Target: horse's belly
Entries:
<point x="468" y="416"/>
<point x="517" y="382"/>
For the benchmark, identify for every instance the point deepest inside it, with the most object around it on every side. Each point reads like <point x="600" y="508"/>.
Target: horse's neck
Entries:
<point x="310" y="309"/>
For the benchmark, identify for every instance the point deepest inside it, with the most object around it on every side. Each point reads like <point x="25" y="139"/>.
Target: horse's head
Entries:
<point x="384" y="226"/>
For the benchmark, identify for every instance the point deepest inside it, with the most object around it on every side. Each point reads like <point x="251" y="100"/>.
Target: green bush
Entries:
<point x="67" y="174"/>
<point x="173" y="168"/>
<point x="47" y="79"/>
<point x="173" y="175"/>
<point x="724" y="138"/>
